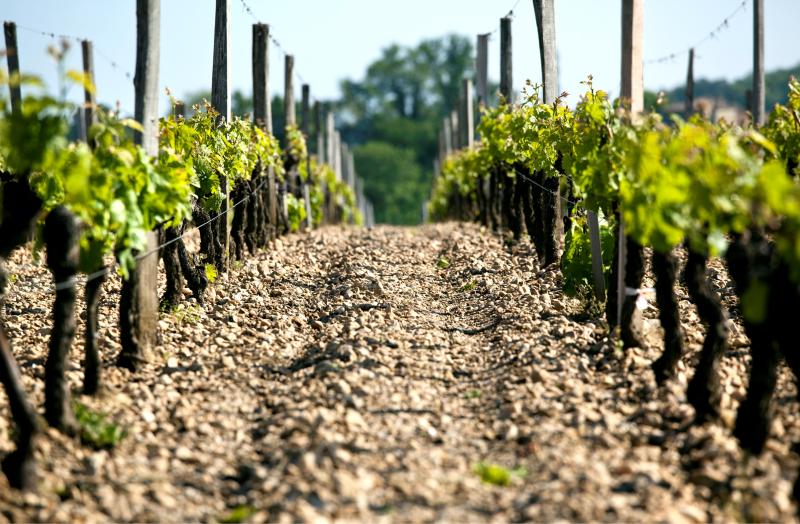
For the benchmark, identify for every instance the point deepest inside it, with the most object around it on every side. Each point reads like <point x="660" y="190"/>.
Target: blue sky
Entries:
<point x="336" y="39"/>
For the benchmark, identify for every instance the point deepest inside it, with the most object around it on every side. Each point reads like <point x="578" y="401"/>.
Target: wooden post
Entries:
<point x="454" y="130"/>
<point x="544" y="12"/>
<point x="546" y="23"/>
<point x="330" y="129"/>
<point x="320" y="132"/>
<point x="88" y="94"/>
<point x="467" y="115"/>
<point x="261" y="104"/>
<point x="632" y="88"/>
<point x="448" y="136"/>
<point x="351" y="169"/>
<point x="482" y="71"/>
<point x="597" y="256"/>
<point x="221" y="101"/>
<point x="632" y="94"/>
<point x="262" y="114"/>
<point x="689" y="106"/>
<point x="337" y="152"/>
<point x="12" y="58"/>
<point x="139" y="296"/>
<point x="288" y="91"/>
<point x="506" y="77"/>
<point x="305" y="111"/>
<point x="758" y="62"/>
<point x="306" y="124"/>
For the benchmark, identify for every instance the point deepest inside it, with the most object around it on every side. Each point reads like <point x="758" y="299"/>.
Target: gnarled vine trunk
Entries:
<point x="631" y="321"/>
<point x="61" y="239"/>
<point x="20" y="208"/>
<point x="749" y="259"/>
<point x="550" y="229"/>
<point x="665" y="268"/>
<point x="92" y="365"/>
<point x="703" y="392"/>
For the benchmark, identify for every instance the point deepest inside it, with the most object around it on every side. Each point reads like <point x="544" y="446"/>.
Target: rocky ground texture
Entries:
<point x="373" y="376"/>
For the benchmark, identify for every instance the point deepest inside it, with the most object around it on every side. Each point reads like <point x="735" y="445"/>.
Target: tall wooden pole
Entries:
<point x="88" y="94"/>
<point x="262" y="115"/>
<point x="689" y="106"/>
<point x="330" y="129"/>
<point x="632" y="86"/>
<point x="139" y="296"/>
<point x="482" y="71"/>
<point x="455" y="134"/>
<point x="546" y="24"/>
<point x="261" y="104"/>
<point x="506" y="77"/>
<point x="12" y="58"/>
<point x="632" y="93"/>
<point x="221" y="101"/>
<point x="288" y="91"/>
<point x="758" y="63"/>
<point x="447" y="135"/>
<point x="467" y="115"/>
<point x="320" y="132"/>
<point x="544" y="12"/>
<point x="305" y="110"/>
<point x="306" y="125"/>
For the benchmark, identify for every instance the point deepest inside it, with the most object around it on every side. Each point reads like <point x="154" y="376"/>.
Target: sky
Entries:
<point x="337" y="39"/>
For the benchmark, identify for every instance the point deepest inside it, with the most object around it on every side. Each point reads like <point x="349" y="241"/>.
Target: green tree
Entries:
<point x="394" y="183"/>
<point x="397" y="109"/>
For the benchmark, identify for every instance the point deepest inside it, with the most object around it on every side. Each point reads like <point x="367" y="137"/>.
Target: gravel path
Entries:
<point x="370" y="376"/>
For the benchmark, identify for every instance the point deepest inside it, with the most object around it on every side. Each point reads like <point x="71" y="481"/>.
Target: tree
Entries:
<point x="394" y="183"/>
<point x="397" y="110"/>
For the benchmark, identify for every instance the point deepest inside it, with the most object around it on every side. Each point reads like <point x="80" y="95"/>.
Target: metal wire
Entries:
<point x="712" y="34"/>
<point x="72" y="282"/>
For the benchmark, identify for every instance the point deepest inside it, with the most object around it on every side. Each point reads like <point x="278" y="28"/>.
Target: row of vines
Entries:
<point x="717" y="190"/>
<point x="91" y="206"/>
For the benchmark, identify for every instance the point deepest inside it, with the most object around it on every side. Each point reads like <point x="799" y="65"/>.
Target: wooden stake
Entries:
<point x="320" y="132"/>
<point x="546" y="24"/>
<point x="12" y="58"/>
<point x="482" y="71"/>
<point x="306" y="124"/>
<point x="689" y="106"/>
<point x="447" y="130"/>
<point x="506" y="77"/>
<point x="632" y="88"/>
<point x="262" y="110"/>
<point x="288" y="91"/>
<point x="221" y="101"/>
<point x="139" y="301"/>
<point x="454" y="130"/>
<point x="467" y="115"/>
<point x="330" y="129"/>
<point x="632" y="92"/>
<point x="758" y="63"/>
<point x="597" y="256"/>
<point x="88" y="94"/>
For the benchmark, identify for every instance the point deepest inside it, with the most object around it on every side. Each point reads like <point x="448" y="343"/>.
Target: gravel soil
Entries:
<point x="362" y="375"/>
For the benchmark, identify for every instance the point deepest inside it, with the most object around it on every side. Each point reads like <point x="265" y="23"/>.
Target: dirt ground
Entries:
<point x="395" y="374"/>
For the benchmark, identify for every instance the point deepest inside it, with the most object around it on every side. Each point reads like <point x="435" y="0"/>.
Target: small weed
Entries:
<point x="442" y="263"/>
<point x="469" y="286"/>
<point x="211" y="273"/>
<point x="237" y="265"/>
<point x="497" y="475"/>
<point x="188" y="315"/>
<point x="238" y="514"/>
<point x="13" y="277"/>
<point x="473" y="393"/>
<point x="95" y="430"/>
